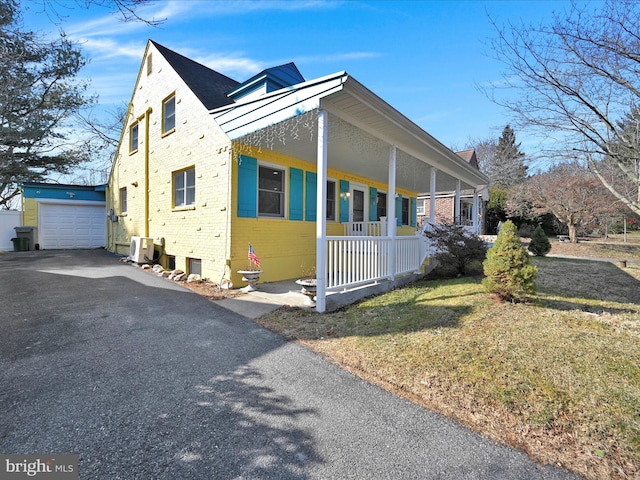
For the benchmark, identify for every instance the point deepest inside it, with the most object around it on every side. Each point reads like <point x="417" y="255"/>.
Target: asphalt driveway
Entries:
<point x="144" y="379"/>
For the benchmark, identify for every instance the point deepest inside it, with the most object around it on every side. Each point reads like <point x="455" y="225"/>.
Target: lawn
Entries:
<point x="557" y="376"/>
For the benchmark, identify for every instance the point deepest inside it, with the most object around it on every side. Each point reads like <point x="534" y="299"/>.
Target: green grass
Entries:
<point x="557" y="376"/>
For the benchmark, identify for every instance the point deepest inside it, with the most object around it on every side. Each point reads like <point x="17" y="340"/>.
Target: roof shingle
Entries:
<point x="208" y="85"/>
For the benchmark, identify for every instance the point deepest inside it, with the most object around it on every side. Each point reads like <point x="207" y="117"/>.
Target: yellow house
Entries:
<point x="317" y="176"/>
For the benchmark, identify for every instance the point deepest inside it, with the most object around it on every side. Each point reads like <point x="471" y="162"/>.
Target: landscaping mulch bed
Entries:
<point x="211" y="290"/>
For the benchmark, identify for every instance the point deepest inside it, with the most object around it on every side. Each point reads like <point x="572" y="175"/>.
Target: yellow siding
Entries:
<point x="29" y="212"/>
<point x="209" y="230"/>
<point x="286" y="249"/>
<point x="199" y="231"/>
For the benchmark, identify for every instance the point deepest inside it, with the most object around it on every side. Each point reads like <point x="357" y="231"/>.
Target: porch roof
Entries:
<point x="362" y="126"/>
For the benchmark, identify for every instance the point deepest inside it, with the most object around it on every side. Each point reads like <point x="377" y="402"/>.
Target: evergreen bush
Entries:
<point x="525" y="230"/>
<point x="507" y="268"/>
<point x="540" y="244"/>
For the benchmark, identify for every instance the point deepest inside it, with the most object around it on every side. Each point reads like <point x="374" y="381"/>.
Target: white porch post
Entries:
<point x="321" y="212"/>
<point x="391" y="211"/>
<point x="476" y="204"/>
<point x="432" y="197"/>
<point x="456" y="205"/>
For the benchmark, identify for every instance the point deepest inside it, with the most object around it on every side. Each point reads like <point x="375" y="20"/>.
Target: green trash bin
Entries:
<point x="20" y="244"/>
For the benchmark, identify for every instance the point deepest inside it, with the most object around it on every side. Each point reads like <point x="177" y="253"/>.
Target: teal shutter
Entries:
<point x="311" y="196"/>
<point x="373" y="206"/>
<point x="247" y="186"/>
<point x="344" y="201"/>
<point x="414" y="211"/>
<point x="296" y="193"/>
<point x="399" y="210"/>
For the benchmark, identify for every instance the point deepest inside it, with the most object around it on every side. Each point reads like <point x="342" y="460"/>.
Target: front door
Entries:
<point x="358" y="209"/>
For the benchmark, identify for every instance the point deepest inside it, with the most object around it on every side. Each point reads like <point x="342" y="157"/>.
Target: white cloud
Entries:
<point x="242" y="7"/>
<point x="336" y="57"/>
<point x="112" y="24"/>
<point x="105" y="48"/>
<point x="232" y="65"/>
<point x="114" y="88"/>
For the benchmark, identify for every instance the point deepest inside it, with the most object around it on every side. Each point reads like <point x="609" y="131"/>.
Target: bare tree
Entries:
<point x="128" y="10"/>
<point x="101" y="140"/>
<point x="568" y="191"/>
<point x="576" y="78"/>
<point x="486" y="149"/>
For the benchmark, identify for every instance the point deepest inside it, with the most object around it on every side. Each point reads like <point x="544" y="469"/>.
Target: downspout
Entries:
<point x="227" y="221"/>
<point x="147" y="114"/>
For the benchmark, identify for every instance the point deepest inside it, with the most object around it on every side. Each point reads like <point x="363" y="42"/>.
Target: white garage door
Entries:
<point x="71" y="226"/>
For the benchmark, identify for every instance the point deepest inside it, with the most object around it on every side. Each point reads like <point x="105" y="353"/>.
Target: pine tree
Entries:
<point x="539" y="244"/>
<point x="39" y="94"/>
<point x="507" y="168"/>
<point x="508" y="268"/>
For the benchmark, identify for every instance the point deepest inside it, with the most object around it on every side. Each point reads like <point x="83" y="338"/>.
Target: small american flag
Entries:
<point x="253" y="258"/>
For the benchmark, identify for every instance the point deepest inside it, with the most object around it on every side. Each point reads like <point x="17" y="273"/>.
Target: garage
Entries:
<point x="64" y="216"/>
<point x="71" y="225"/>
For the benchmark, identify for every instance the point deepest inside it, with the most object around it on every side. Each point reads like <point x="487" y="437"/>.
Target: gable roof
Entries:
<point x="351" y="103"/>
<point x="208" y="85"/>
<point x="469" y="156"/>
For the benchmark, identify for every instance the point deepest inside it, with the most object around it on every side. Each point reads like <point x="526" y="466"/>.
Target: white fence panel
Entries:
<point x="353" y="261"/>
<point x="8" y="220"/>
<point x="408" y="257"/>
<point x="356" y="261"/>
<point x="360" y="229"/>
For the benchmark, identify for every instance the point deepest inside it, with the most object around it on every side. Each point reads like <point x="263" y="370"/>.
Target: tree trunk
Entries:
<point x="573" y="233"/>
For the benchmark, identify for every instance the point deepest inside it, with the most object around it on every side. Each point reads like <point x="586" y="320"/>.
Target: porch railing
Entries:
<point x="354" y="261"/>
<point x="365" y="229"/>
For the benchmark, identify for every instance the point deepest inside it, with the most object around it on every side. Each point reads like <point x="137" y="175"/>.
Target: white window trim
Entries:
<point x="408" y="199"/>
<point x="387" y="200"/>
<point x="134" y="125"/>
<point x="336" y="201"/>
<point x="285" y="190"/>
<point x="166" y="131"/>
<point x="363" y="188"/>
<point x="124" y="211"/>
<point x="173" y="188"/>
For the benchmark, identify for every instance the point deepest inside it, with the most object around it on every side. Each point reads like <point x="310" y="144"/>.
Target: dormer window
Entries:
<point x="267" y="81"/>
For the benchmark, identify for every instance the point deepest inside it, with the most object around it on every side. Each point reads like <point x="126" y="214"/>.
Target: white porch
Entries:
<point x="335" y="122"/>
<point x="355" y="261"/>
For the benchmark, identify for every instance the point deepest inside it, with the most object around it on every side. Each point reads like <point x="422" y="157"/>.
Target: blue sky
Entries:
<point x="425" y="58"/>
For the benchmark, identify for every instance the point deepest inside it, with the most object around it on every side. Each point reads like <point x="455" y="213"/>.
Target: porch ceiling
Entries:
<point x="361" y="129"/>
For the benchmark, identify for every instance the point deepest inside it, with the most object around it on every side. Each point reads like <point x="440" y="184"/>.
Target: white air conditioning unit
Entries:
<point x="141" y="249"/>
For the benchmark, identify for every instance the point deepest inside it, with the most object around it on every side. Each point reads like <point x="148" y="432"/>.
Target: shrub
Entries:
<point x="455" y="246"/>
<point x="540" y="244"/>
<point x="525" y="230"/>
<point x="508" y="268"/>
